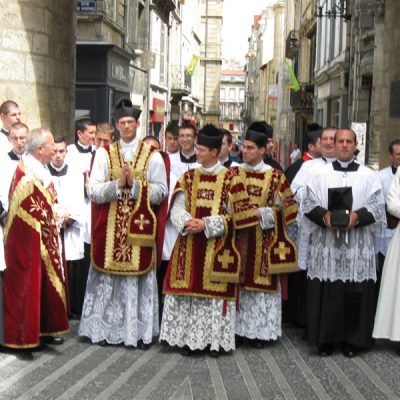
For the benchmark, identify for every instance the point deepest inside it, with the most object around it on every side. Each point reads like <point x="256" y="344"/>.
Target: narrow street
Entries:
<point x="286" y="370"/>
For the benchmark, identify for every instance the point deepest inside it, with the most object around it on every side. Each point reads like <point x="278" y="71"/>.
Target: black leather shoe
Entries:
<point x="142" y="346"/>
<point x="102" y="343"/>
<point x="56" y="340"/>
<point x="186" y="352"/>
<point x="325" y="349"/>
<point x="349" y="350"/>
<point x="214" y="353"/>
<point x="257" y="343"/>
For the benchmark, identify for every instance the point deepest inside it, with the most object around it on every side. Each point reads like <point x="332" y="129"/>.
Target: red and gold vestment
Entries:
<point x="264" y="249"/>
<point x="34" y="282"/>
<point x="210" y="267"/>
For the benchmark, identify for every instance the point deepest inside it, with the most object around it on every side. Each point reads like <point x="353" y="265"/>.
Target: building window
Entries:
<point x="335" y="111"/>
<point x="222" y="94"/>
<point x="232" y="94"/>
<point x="241" y="94"/>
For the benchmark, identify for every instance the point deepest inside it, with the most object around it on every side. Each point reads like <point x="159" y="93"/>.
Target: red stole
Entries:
<point x="34" y="282"/>
<point x="124" y="230"/>
<point x="264" y="248"/>
<point x="210" y="267"/>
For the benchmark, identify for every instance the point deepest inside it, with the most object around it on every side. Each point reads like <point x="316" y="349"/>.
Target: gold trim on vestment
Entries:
<point x="54" y="278"/>
<point x="123" y="258"/>
<point x="148" y="239"/>
<point x="24" y="189"/>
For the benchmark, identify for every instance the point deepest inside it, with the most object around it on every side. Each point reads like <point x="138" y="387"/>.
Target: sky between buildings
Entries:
<point x="238" y="17"/>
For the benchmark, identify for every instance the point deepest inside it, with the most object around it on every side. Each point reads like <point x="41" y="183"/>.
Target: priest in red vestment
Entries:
<point x="34" y="282"/>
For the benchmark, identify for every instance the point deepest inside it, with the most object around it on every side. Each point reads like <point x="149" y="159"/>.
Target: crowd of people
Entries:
<point x="190" y="247"/>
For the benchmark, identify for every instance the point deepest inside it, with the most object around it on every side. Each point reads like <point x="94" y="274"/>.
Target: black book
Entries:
<point x="340" y="202"/>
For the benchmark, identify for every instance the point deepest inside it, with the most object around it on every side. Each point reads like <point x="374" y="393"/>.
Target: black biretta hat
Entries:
<point x="124" y="108"/>
<point x="313" y="132"/>
<point x="262" y="127"/>
<point x="210" y="136"/>
<point x="259" y="138"/>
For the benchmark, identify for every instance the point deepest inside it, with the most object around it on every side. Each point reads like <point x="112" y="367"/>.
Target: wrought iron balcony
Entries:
<point x="292" y="44"/>
<point x="303" y="100"/>
<point x="181" y="83"/>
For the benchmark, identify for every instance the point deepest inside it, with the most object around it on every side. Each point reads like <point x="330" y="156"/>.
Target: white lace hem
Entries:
<point x="120" y="309"/>
<point x="259" y="315"/>
<point x="197" y="322"/>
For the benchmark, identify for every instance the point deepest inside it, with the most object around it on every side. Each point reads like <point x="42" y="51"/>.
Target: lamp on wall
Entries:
<point x="337" y="10"/>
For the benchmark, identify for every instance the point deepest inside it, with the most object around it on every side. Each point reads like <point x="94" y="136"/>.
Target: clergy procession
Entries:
<point x="189" y="248"/>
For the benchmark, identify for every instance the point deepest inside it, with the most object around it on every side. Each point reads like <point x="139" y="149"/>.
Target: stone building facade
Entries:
<point x="37" y="44"/>
<point x="232" y="100"/>
<point x="375" y="74"/>
<point x="210" y="62"/>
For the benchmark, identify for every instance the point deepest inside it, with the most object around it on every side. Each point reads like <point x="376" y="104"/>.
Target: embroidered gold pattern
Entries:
<point x="225" y="259"/>
<point x="282" y="251"/>
<point x="141" y="222"/>
<point x="120" y="255"/>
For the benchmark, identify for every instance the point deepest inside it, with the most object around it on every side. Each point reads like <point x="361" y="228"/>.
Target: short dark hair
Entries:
<point x="346" y="129"/>
<point x="228" y="135"/>
<point x="82" y="124"/>
<point x="393" y="143"/>
<point x="329" y="128"/>
<point x="186" y="125"/>
<point x="152" y="137"/>
<point x="19" y="125"/>
<point x="313" y="133"/>
<point x="6" y="105"/>
<point x="59" y="139"/>
<point x="262" y="127"/>
<point x="173" y="129"/>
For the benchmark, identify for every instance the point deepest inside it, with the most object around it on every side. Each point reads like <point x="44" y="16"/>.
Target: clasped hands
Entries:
<point x="126" y="178"/>
<point x="195" y="225"/>
<point x="352" y="220"/>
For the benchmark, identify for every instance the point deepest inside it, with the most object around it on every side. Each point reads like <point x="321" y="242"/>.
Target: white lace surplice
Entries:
<point x="259" y="315"/>
<point x="337" y="255"/>
<point x="120" y="309"/>
<point x="195" y="321"/>
<point x="198" y="322"/>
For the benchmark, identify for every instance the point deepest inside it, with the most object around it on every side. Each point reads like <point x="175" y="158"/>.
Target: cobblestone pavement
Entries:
<point x="289" y="369"/>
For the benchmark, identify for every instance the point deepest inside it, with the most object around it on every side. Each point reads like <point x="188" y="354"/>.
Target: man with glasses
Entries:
<point x="17" y="136"/>
<point x="35" y="296"/>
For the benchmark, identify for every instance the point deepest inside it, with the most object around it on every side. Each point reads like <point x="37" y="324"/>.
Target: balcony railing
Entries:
<point x="292" y="44"/>
<point x="181" y="83"/>
<point x="303" y="100"/>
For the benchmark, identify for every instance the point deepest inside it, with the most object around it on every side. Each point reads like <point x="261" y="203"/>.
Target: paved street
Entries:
<point x="286" y="370"/>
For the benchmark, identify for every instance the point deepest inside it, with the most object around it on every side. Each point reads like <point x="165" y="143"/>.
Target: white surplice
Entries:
<point x="341" y="254"/>
<point x="387" y="317"/>
<point x="192" y="321"/>
<point x="122" y="309"/>
<point x="260" y="313"/>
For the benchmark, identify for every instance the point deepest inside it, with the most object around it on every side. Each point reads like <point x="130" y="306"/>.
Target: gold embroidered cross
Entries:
<point x="225" y="259"/>
<point x="141" y="222"/>
<point x="281" y="251"/>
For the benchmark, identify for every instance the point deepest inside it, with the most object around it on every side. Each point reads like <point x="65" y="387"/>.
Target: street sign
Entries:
<point x="86" y="6"/>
